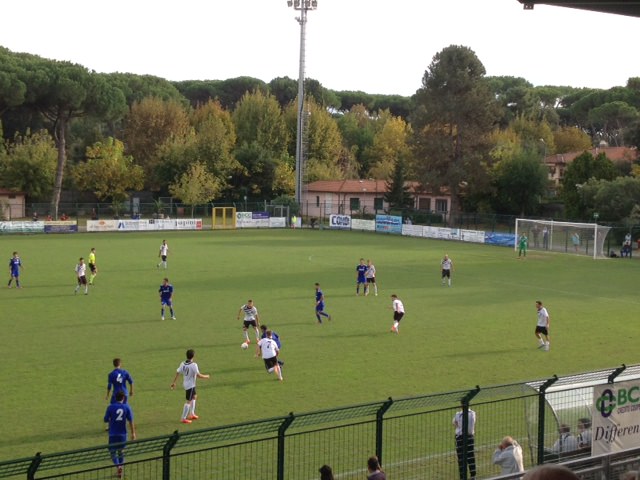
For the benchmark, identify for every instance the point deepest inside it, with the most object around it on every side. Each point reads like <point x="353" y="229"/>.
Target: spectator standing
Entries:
<point x="471" y="428"/>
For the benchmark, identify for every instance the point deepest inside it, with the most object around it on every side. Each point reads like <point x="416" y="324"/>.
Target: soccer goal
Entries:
<point x="223" y="218"/>
<point x="565" y="237"/>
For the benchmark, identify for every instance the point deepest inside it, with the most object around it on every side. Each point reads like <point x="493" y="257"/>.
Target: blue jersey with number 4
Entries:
<point x="118" y="380"/>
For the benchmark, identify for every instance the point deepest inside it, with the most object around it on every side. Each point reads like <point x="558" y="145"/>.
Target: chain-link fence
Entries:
<point x="415" y="438"/>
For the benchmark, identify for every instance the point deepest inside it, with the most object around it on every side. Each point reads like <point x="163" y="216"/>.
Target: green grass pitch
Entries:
<point x="57" y="347"/>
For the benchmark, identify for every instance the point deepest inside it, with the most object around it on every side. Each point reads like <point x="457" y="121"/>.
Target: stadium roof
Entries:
<point x="618" y="7"/>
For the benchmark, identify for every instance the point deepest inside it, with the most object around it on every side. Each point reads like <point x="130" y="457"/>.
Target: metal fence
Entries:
<point x="413" y="437"/>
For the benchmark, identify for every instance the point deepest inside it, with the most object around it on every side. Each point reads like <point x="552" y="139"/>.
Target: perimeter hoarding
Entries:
<point x="389" y="224"/>
<point x="616" y="417"/>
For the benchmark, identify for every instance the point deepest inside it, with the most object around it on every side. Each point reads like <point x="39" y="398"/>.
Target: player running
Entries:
<point x="320" y="305"/>
<point x="166" y="298"/>
<point x="251" y="319"/>
<point x="398" y="312"/>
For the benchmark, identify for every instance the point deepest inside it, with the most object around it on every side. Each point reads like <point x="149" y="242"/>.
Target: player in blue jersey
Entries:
<point x="117" y="382"/>
<point x="320" y="305"/>
<point x="117" y="416"/>
<point x="361" y="270"/>
<point x="166" y="298"/>
<point x="15" y="264"/>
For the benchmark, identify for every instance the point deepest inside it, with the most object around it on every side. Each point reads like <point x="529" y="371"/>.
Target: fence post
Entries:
<point x="541" y="409"/>
<point x="615" y="373"/>
<point x="281" y="431"/>
<point x="31" y="472"/>
<point x="166" y="455"/>
<point x="379" y="421"/>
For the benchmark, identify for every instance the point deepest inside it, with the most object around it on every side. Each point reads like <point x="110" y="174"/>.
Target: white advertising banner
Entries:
<point x="473" y="236"/>
<point x="252" y="220"/>
<point x="340" y="222"/>
<point x="278" y="222"/>
<point x="616" y="417"/>
<point x="412" y="230"/>
<point x="144" y="225"/>
<point x="442" y="233"/>
<point x="102" y="225"/>
<point x="357" y="224"/>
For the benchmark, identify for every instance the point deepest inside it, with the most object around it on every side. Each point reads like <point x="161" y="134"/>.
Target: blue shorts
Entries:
<point x="166" y="302"/>
<point x="117" y="439"/>
<point x="320" y="307"/>
<point x="15" y="273"/>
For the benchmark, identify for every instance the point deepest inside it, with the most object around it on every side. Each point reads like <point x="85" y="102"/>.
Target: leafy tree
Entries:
<point x="455" y="116"/>
<point x="108" y="172"/>
<point x="138" y="87"/>
<point x="210" y="141"/>
<point x="285" y="90"/>
<point x="12" y="87"/>
<point x="610" y="120"/>
<point x="583" y="168"/>
<point x="196" y="186"/>
<point x="61" y="92"/>
<point x="389" y="144"/>
<point x="262" y="141"/>
<point x="571" y="139"/>
<point x="150" y="123"/>
<point x="534" y="135"/>
<point x="325" y="157"/>
<point x="398" y="195"/>
<point x="358" y="129"/>
<point x="29" y="164"/>
<point x="520" y="183"/>
<point x="614" y="200"/>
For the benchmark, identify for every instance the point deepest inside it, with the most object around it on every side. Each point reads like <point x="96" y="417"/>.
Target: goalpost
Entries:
<point x="223" y="218"/>
<point x="565" y="237"/>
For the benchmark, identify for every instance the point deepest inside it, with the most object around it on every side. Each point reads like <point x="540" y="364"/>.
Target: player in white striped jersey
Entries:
<point x="163" y="254"/>
<point x="447" y="268"/>
<point x="190" y="373"/>
<point x="370" y="275"/>
<point x="251" y="319"/>
<point x="398" y="312"/>
<point x="81" y="274"/>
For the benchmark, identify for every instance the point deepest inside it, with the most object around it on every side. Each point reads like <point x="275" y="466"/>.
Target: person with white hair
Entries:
<point x="509" y="456"/>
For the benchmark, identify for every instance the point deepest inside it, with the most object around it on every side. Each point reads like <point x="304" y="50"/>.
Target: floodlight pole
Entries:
<point x="303" y="6"/>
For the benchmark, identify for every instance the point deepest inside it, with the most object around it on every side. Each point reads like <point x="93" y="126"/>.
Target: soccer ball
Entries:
<point x="244" y="345"/>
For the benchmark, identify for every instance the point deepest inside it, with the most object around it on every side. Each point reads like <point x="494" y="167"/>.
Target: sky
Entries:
<point x="379" y="47"/>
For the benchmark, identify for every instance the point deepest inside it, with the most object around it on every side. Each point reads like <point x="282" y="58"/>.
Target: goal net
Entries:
<point x="565" y="237"/>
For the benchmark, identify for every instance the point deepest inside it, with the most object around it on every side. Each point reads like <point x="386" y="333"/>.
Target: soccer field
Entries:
<point x="58" y="347"/>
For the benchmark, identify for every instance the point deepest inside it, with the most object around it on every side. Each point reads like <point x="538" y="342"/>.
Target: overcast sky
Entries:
<point x="375" y="46"/>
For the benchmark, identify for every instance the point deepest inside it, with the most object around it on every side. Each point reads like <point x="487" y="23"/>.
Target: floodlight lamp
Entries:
<point x="314" y="3"/>
<point x="289" y="3"/>
<point x="296" y="4"/>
